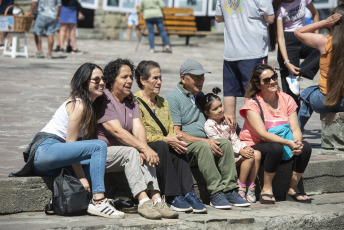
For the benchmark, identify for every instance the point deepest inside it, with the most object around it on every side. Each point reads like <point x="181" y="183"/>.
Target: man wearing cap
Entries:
<point x="188" y="120"/>
<point x="246" y="38"/>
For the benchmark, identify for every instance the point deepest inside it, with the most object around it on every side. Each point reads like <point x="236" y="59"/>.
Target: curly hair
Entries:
<point x="113" y="68"/>
<point x="144" y="70"/>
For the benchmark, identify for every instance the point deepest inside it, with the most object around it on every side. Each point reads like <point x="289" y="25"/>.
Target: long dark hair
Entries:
<point x="79" y="85"/>
<point x="252" y="86"/>
<point x="209" y="98"/>
<point x="144" y="70"/>
<point x="273" y="27"/>
<point x="335" y="75"/>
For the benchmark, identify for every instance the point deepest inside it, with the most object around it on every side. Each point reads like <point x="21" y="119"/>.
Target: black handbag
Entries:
<point x="69" y="196"/>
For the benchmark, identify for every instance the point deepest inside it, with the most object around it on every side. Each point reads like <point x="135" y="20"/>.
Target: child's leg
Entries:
<point x="245" y="169"/>
<point x="255" y="167"/>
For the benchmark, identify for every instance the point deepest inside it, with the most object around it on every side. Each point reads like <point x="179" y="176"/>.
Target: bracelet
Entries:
<point x="286" y="61"/>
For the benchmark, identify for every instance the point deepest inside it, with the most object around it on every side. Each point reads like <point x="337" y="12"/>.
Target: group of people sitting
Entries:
<point x="104" y="127"/>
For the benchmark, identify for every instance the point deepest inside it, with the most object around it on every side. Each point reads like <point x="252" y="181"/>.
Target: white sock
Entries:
<point x="157" y="200"/>
<point x="141" y="202"/>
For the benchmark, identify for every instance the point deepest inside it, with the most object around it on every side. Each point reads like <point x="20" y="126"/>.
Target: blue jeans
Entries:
<point x="316" y="103"/>
<point x="159" y="23"/>
<point x="51" y="155"/>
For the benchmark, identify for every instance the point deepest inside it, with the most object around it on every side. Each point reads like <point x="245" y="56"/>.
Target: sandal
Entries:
<point x="262" y="201"/>
<point x="297" y="195"/>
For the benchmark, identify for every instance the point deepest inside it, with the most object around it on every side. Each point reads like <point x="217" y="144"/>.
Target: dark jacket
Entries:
<point x="30" y="151"/>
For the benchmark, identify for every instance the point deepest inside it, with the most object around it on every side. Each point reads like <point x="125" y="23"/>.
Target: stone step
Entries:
<point x="324" y="174"/>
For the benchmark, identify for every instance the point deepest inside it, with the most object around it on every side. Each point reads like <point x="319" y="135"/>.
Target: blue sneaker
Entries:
<point x="179" y="204"/>
<point x="197" y="205"/>
<point x="236" y="200"/>
<point x="218" y="200"/>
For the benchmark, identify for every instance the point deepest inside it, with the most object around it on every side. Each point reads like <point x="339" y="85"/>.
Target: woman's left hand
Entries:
<point x="178" y="145"/>
<point x="85" y="183"/>
<point x="297" y="150"/>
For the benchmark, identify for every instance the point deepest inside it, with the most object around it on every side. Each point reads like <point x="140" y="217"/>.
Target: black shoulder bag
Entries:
<point x="69" y="196"/>
<point x="261" y="111"/>
<point x="153" y="115"/>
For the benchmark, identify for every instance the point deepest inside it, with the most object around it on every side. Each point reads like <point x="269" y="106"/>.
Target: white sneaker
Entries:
<point x="104" y="209"/>
<point x="294" y="84"/>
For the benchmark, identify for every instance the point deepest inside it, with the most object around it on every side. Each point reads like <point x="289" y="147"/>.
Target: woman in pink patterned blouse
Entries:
<point x="216" y="127"/>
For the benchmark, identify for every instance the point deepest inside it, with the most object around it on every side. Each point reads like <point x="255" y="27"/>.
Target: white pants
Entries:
<point x="127" y="159"/>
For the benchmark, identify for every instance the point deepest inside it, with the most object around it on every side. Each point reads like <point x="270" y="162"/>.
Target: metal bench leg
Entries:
<point x="187" y="40"/>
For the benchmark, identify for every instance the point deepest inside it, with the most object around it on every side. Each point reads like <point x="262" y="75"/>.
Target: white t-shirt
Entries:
<point x="58" y="123"/>
<point x="246" y="33"/>
<point x="292" y="14"/>
<point x="48" y="8"/>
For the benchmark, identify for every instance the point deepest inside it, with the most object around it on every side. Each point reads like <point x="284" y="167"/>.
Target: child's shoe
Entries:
<point x="251" y="193"/>
<point x="242" y="190"/>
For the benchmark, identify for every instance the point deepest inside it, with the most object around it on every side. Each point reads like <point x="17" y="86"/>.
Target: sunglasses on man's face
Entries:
<point x="268" y="79"/>
<point x="97" y="80"/>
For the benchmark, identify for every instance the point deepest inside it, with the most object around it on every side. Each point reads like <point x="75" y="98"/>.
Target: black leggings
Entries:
<point x="173" y="173"/>
<point x="272" y="156"/>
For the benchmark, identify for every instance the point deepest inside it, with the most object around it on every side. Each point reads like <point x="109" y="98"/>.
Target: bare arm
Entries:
<point x="318" y="41"/>
<point x="269" y="18"/>
<point x="189" y="138"/>
<point x="259" y="128"/>
<point x="315" y="14"/>
<point x="219" y="18"/>
<point x="74" y="111"/>
<point x="115" y="129"/>
<point x="282" y="47"/>
<point x="33" y="6"/>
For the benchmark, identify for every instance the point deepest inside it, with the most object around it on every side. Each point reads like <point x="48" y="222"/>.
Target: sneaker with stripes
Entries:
<point x="104" y="209"/>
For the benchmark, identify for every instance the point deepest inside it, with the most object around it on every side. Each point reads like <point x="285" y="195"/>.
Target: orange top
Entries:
<point x="324" y="64"/>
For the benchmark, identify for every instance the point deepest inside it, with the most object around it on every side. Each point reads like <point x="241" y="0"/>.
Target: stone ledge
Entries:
<point x="324" y="174"/>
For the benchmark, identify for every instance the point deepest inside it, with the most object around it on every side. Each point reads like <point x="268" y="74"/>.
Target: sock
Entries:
<point x="241" y="184"/>
<point x="249" y="183"/>
<point x="98" y="201"/>
<point x="141" y="202"/>
<point x="157" y="200"/>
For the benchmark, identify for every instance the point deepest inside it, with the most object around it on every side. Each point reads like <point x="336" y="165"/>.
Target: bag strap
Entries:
<point x="261" y="111"/>
<point x="49" y="208"/>
<point x="153" y="116"/>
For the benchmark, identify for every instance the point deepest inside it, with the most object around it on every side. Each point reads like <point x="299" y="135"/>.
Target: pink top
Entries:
<point x="286" y="106"/>
<point x="293" y="14"/>
<point x="223" y="131"/>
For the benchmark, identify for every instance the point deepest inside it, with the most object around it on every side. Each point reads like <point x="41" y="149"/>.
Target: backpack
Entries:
<point x="69" y="196"/>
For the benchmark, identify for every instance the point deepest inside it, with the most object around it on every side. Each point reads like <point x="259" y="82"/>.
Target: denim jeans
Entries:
<point x="159" y="23"/>
<point x="51" y="155"/>
<point x="316" y="103"/>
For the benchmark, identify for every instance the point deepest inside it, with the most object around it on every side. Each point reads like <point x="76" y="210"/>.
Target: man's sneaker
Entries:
<point x="104" y="209"/>
<point x="236" y="200"/>
<point x="57" y="49"/>
<point x="148" y="211"/>
<point x="197" y="205"/>
<point x="294" y="84"/>
<point x="218" y="200"/>
<point x="165" y="211"/>
<point x="77" y="52"/>
<point x="179" y="204"/>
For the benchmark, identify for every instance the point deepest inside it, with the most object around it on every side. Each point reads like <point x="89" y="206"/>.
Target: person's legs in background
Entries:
<point x="57" y="37"/>
<point x="150" y="26"/>
<point x="163" y="34"/>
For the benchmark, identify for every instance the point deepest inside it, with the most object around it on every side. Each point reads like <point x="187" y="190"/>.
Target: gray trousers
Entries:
<point x="127" y="159"/>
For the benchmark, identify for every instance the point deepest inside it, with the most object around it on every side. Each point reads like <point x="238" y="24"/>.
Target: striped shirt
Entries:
<point x="185" y="112"/>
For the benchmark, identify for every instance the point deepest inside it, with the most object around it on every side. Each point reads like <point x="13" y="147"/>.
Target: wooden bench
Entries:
<point x="177" y="21"/>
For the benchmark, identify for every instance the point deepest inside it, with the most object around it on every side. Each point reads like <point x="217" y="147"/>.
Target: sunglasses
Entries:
<point x="268" y="79"/>
<point x="97" y="80"/>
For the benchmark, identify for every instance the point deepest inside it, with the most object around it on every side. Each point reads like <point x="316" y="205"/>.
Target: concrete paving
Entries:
<point x="32" y="89"/>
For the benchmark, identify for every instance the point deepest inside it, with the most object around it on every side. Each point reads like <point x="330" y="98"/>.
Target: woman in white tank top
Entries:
<point x="60" y="147"/>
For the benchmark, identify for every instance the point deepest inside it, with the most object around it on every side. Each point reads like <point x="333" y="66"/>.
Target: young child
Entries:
<point x="216" y="127"/>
